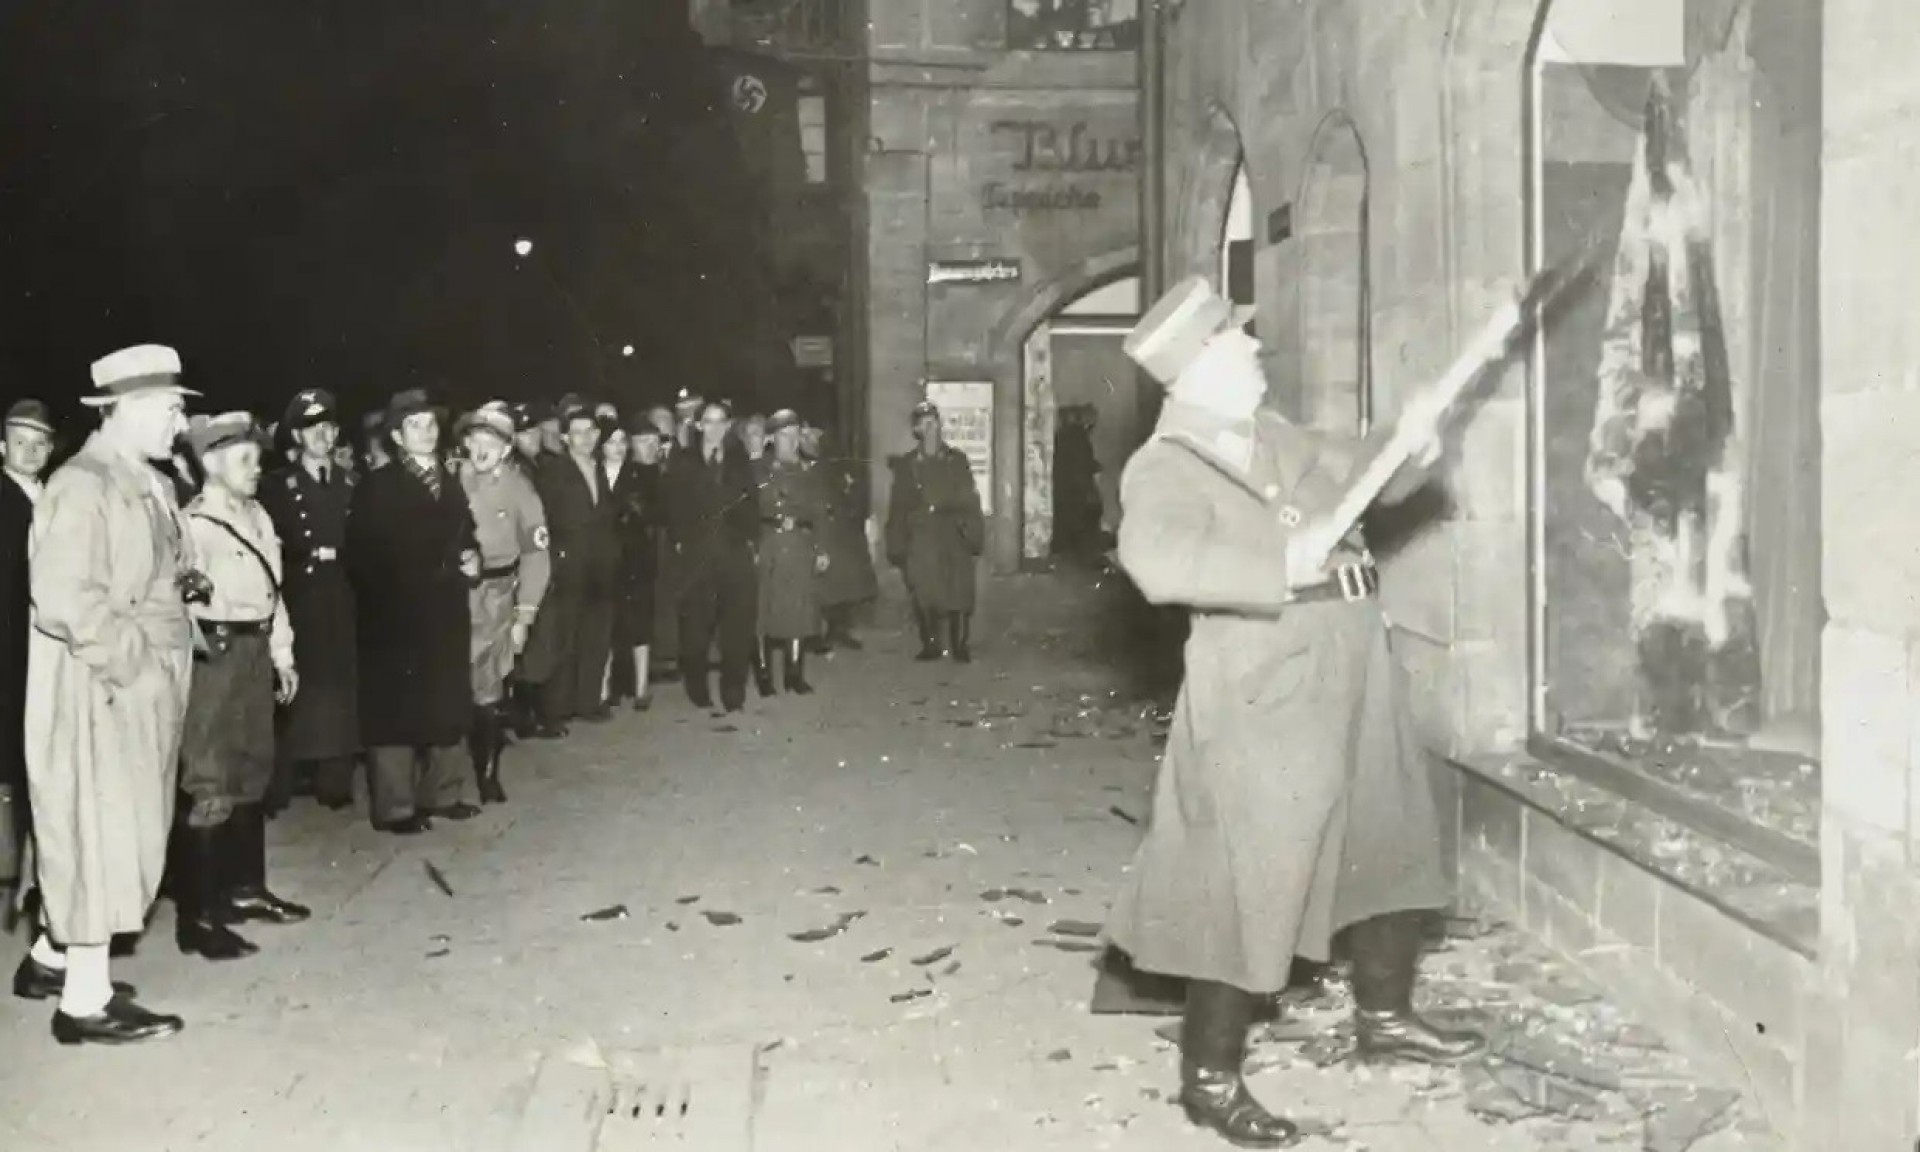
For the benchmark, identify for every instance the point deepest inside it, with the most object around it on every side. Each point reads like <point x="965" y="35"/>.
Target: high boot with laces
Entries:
<point x="249" y="898"/>
<point x="1386" y="958"/>
<point x="201" y="913"/>
<point x="486" y="744"/>
<point x="1213" y="1049"/>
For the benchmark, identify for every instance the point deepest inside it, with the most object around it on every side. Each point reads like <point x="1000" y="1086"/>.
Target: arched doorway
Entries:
<point x="1080" y="419"/>
<point x="1333" y="388"/>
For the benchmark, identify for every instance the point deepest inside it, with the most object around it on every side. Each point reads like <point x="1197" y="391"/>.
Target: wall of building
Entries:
<point x="1435" y="94"/>
<point x="976" y="152"/>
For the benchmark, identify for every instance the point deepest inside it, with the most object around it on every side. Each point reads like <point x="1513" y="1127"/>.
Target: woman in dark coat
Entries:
<point x="410" y="552"/>
<point x="633" y="484"/>
<point x="793" y="506"/>
<point x="848" y="581"/>
<point x="935" y="531"/>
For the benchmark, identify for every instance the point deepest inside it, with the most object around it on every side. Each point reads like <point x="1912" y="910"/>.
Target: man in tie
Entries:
<point x="24" y="451"/>
<point x="713" y="519"/>
<point x="573" y="636"/>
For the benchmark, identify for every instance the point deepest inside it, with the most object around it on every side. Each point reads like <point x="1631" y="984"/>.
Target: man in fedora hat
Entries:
<point x="27" y="443"/>
<point x="1294" y="800"/>
<point x="411" y="553"/>
<point x="108" y="668"/>
<point x="510" y="526"/>
<point x="244" y="665"/>
<point x="319" y="731"/>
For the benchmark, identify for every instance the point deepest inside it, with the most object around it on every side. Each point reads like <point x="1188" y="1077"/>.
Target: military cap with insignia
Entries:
<point x="132" y="371"/>
<point x="784" y="418"/>
<point x="923" y="410"/>
<point x="494" y="417"/>
<point x="688" y="404"/>
<point x="30" y="414"/>
<point x="1177" y="328"/>
<point x="209" y="434"/>
<point x="313" y="406"/>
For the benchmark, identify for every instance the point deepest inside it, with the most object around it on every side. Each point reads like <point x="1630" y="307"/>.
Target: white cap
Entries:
<point x="141" y="368"/>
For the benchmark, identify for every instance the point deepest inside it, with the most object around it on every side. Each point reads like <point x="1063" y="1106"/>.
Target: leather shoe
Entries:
<point x="405" y="826"/>
<point x="120" y="1022"/>
<point x="262" y="905"/>
<point x="460" y="811"/>
<point x="35" y="981"/>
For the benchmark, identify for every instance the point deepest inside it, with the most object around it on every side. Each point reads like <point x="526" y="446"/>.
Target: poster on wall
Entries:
<point x="966" y="413"/>
<point x="1073" y="25"/>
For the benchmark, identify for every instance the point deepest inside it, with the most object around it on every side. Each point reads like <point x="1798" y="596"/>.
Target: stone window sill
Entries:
<point x="1638" y="825"/>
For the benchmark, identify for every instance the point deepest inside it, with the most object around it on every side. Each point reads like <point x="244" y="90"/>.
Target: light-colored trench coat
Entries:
<point x="108" y="667"/>
<point x="1293" y="799"/>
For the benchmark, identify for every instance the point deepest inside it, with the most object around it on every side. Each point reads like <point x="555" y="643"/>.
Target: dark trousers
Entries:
<point x="405" y="781"/>
<point x="721" y="600"/>
<point x="226" y="745"/>
<point x="583" y="636"/>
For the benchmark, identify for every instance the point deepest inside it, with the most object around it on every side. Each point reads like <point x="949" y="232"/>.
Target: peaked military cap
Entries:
<point x="208" y="434"/>
<point x="313" y="406"/>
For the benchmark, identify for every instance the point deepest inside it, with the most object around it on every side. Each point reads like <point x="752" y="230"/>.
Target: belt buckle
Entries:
<point x="1353" y="582"/>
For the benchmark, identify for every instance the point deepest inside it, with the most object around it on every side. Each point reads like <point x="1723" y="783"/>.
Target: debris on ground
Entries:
<point x="721" y="919"/>
<point x="438" y="877"/>
<point x="840" y="924"/>
<point x="933" y="957"/>
<point x="611" y="912"/>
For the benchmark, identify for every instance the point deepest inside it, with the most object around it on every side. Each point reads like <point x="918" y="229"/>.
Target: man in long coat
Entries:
<point x="28" y="433"/>
<point x="572" y="640"/>
<point x="793" y="510"/>
<point x="714" y="523"/>
<point x="308" y="501"/>
<point x="411" y="552"/>
<point x="108" y="666"/>
<point x="1294" y="799"/>
<point x="935" y="533"/>
<point x="848" y="580"/>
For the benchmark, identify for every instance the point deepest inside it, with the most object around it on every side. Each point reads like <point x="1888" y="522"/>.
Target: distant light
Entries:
<point x="627" y="351"/>
<point x="523" y="247"/>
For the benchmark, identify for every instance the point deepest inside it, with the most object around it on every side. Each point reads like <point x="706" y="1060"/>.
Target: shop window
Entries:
<point x="1073" y="25"/>
<point x="813" y="136"/>
<point x="1674" y="413"/>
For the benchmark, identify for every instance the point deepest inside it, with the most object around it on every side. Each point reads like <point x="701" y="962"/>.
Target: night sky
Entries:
<point x="305" y="194"/>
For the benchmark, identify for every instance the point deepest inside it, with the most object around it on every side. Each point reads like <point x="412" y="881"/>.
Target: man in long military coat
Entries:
<point x="848" y="580"/>
<point x="108" y="666"/>
<point x="411" y="552"/>
<point x="935" y="533"/>
<point x="1294" y="800"/>
<point x="793" y="510"/>
<point x="319" y="732"/>
<point x="573" y="638"/>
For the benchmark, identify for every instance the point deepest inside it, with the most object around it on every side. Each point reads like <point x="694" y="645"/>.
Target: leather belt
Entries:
<point x="236" y="627"/>
<point x="500" y="571"/>
<point x="1350" y="582"/>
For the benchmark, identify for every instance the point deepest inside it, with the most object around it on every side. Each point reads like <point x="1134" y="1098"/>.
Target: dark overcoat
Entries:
<point x="323" y="722"/>
<point x="586" y="556"/>
<point x="16" y="620"/>
<point x="415" y="629"/>
<point x="849" y="578"/>
<point x="635" y="493"/>
<point x="1294" y="798"/>
<point x="935" y="528"/>
<point x="792" y="506"/>
<point x="712" y="515"/>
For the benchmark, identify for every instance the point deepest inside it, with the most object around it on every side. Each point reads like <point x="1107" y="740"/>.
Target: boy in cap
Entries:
<point x="319" y="732"/>
<point x="109" y="662"/>
<point x="244" y="665"/>
<point x="510" y="528"/>
<point x="1293" y="801"/>
<point x="27" y="443"/>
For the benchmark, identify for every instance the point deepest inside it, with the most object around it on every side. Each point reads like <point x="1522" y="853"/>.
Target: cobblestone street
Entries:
<point x="942" y="840"/>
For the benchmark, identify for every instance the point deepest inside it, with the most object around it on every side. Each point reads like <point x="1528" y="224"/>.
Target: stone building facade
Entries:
<point x="1387" y="148"/>
<point x="1000" y="183"/>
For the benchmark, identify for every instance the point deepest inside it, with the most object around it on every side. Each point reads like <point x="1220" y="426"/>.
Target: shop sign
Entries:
<point x="813" y="351"/>
<point x="966" y="417"/>
<point x="1070" y="155"/>
<point x="992" y="270"/>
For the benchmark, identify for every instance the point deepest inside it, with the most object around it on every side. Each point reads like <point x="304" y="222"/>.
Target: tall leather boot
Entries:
<point x="929" y="623"/>
<point x="1386" y="957"/>
<point x="244" y="837"/>
<point x="200" y="900"/>
<point x="962" y="625"/>
<point x="797" y="668"/>
<point x="763" y="667"/>
<point x="1213" y="1049"/>
<point x="485" y="743"/>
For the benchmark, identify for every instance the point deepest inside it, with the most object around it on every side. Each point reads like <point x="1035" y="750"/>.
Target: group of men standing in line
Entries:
<point x="193" y="640"/>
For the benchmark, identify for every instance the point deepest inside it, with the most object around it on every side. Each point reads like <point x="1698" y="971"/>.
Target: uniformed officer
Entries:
<point x="1293" y="801"/>
<point x="686" y="419"/>
<point x="935" y="533"/>
<point x="244" y="662"/>
<point x="319" y="732"/>
<point x="510" y="525"/>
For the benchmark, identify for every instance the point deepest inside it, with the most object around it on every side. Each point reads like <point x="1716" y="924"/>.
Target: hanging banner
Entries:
<point x="966" y="415"/>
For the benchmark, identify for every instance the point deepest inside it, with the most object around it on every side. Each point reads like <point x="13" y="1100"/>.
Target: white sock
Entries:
<point x="89" y="985"/>
<point x="640" y="670"/>
<point x="46" y="955"/>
